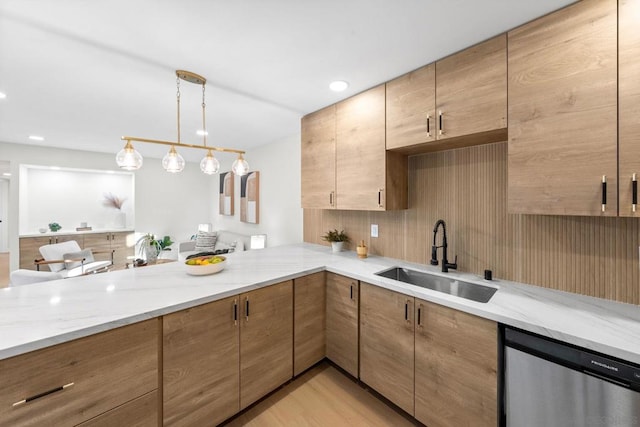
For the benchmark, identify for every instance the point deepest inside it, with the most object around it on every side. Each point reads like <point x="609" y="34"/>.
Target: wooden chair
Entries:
<point x="68" y="259"/>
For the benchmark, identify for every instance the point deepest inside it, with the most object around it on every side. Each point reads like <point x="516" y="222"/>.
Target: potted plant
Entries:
<point x="149" y="248"/>
<point x="337" y="239"/>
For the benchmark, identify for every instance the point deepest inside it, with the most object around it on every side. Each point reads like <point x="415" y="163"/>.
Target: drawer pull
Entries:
<point x="43" y="394"/>
<point x="634" y="193"/>
<point x="246" y="308"/>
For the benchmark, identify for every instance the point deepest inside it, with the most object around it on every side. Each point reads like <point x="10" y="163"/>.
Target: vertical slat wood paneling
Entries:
<point x="467" y="188"/>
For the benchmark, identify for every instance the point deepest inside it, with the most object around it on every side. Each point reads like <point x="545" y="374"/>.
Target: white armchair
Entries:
<point x="69" y="260"/>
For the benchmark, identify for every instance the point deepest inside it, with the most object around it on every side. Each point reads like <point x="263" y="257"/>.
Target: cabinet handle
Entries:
<point x="440" y="130"/>
<point x="235" y="312"/>
<point x="50" y="240"/>
<point x="246" y="308"/>
<point x="634" y="192"/>
<point x="428" y="124"/>
<point x="380" y="204"/>
<point x="406" y="310"/>
<point x="419" y="314"/>
<point x="604" y="193"/>
<point x="108" y="236"/>
<point x="351" y="292"/>
<point x="331" y="199"/>
<point x="43" y="394"/>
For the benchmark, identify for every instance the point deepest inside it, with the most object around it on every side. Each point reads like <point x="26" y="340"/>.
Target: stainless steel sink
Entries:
<point x="459" y="288"/>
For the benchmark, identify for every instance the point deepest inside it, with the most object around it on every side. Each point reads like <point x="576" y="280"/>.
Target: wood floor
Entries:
<point x="321" y="397"/>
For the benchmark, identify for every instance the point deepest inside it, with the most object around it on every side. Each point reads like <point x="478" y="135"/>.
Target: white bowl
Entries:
<point x="203" y="270"/>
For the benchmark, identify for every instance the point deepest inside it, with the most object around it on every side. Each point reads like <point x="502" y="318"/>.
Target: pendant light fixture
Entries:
<point x="129" y="159"/>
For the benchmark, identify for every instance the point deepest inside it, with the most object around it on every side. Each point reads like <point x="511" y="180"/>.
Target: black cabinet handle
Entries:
<point x="43" y="394"/>
<point x="235" y="312"/>
<point x="634" y="192"/>
<point x="440" y="123"/>
<point x="246" y="308"/>
<point x="419" y="315"/>
<point x="331" y="198"/>
<point x="406" y="311"/>
<point x="604" y="193"/>
<point x="351" y="292"/>
<point x="428" y="125"/>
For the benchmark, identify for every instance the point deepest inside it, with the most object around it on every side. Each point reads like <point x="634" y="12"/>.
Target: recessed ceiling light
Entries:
<point x="202" y="132"/>
<point x="3" y="95"/>
<point x="338" y="85"/>
<point x="36" y="138"/>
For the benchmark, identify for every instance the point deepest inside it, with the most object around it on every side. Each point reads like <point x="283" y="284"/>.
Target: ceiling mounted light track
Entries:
<point x="129" y="159"/>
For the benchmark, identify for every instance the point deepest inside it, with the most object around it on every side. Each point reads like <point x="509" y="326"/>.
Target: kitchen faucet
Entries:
<point x="446" y="265"/>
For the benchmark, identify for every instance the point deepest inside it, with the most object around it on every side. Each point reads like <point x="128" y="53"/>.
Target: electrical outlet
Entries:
<point x="374" y="230"/>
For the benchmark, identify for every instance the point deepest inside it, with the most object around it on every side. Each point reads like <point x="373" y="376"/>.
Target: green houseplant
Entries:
<point x="336" y="238"/>
<point x="150" y="246"/>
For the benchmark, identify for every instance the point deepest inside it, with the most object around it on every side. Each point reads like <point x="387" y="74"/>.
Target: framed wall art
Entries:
<point x="226" y="198"/>
<point x="250" y="198"/>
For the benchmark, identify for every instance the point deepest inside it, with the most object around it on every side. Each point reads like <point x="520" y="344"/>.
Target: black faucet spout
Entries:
<point x="446" y="265"/>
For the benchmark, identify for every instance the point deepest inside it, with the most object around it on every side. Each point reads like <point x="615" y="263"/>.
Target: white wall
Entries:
<point x="280" y="200"/>
<point x="168" y="204"/>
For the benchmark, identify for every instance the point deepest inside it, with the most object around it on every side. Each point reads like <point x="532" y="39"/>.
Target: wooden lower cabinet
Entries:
<point x="201" y="354"/>
<point x="140" y="412"/>
<point x="309" y="323"/>
<point x="30" y="247"/>
<point x="101" y="372"/>
<point x="342" y="322"/>
<point x="386" y="344"/>
<point x="455" y="368"/>
<point x="266" y="341"/>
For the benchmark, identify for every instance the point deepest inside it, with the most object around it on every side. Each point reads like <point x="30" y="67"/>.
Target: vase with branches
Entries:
<point x="116" y="202"/>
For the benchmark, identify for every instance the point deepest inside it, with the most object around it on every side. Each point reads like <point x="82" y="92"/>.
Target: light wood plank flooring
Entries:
<point x="321" y="397"/>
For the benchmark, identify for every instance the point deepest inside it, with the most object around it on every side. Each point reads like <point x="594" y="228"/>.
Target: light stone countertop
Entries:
<point x="43" y="314"/>
<point x="69" y="231"/>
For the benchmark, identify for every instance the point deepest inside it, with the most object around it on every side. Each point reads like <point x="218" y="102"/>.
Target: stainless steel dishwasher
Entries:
<point x="552" y="384"/>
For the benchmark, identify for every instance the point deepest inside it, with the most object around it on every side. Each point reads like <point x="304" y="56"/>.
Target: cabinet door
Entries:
<point x="98" y="242"/>
<point x="563" y="112"/>
<point x="411" y="102"/>
<point x="72" y="382"/>
<point x="200" y="364"/>
<point x="266" y="341"/>
<point x="123" y="249"/>
<point x="342" y="322"/>
<point x="140" y="412"/>
<point x="629" y="99"/>
<point x="471" y="90"/>
<point x="386" y="344"/>
<point x="29" y="251"/>
<point x="310" y="294"/>
<point x="319" y="159"/>
<point x="361" y="151"/>
<point x="456" y="358"/>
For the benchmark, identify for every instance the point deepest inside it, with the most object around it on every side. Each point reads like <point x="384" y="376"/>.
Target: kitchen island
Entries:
<point x="41" y="315"/>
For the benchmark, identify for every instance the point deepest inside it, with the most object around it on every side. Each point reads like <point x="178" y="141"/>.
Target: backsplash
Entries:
<point x="468" y="189"/>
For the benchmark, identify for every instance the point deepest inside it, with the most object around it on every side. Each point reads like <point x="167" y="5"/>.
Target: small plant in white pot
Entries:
<point x="337" y="239"/>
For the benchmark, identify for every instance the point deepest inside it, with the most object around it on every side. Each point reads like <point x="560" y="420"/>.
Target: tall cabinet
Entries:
<point x="629" y="106"/>
<point x="563" y="112"/>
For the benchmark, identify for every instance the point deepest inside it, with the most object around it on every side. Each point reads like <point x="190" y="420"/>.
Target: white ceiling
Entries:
<point x="82" y="73"/>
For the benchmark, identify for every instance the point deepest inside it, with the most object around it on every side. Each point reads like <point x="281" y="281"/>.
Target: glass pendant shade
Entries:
<point x="240" y="166"/>
<point x="209" y="164"/>
<point x="128" y="158"/>
<point x="172" y="161"/>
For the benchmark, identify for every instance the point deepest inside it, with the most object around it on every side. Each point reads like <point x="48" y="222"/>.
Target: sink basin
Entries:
<point x="459" y="288"/>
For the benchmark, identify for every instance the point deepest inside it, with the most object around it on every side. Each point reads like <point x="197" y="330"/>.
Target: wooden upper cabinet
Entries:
<point x="456" y="362"/>
<point x="367" y="176"/>
<point x="319" y="159"/>
<point x="411" y="102"/>
<point x="563" y="112"/>
<point x="471" y="91"/>
<point x="386" y="344"/>
<point x="629" y="103"/>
